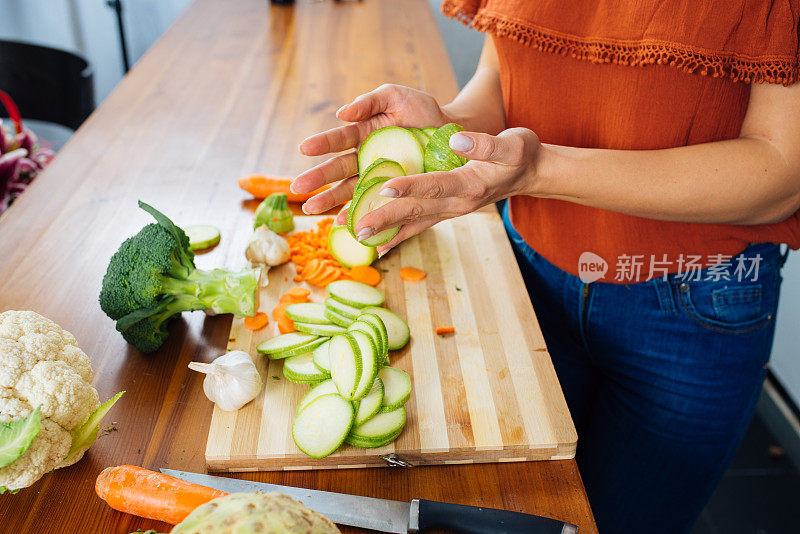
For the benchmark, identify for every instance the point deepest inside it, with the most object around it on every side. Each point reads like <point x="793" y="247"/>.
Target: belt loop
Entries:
<point x="664" y="293"/>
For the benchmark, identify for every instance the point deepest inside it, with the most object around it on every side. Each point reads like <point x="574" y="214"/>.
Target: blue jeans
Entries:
<point x="661" y="379"/>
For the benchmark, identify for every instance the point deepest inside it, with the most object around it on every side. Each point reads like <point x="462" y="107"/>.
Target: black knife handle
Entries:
<point x="478" y="520"/>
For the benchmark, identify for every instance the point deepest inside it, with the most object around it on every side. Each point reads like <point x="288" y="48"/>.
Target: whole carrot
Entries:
<point x="138" y="491"/>
<point x="261" y="186"/>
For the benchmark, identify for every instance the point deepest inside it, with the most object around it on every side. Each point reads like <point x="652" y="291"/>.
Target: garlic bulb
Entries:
<point x="232" y="380"/>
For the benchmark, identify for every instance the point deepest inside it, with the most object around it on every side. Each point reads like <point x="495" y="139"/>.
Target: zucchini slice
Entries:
<point x="377" y="322"/>
<point x="355" y="294"/>
<point x="371" y="403"/>
<point x="347" y="250"/>
<point x="301" y="369"/>
<point x="345" y="359"/>
<point x="396" y="328"/>
<point x="307" y="312"/>
<point x="380" y="168"/>
<point x="394" y="143"/>
<point x="337" y="318"/>
<point x="286" y="345"/>
<point x="322" y="358"/>
<point x="372" y="331"/>
<point x="396" y="387"/>
<point x="369" y="363"/>
<point x="364" y="201"/>
<point x="323" y="424"/>
<point x="202" y="236"/>
<point x="438" y="154"/>
<point x="370" y="444"/>
<point x="323" y="388"/>
<point x="327" y="330"/>
<point x="421" y="136"/>
<point x="351" y="312"/>
<point x="381" y="426"/>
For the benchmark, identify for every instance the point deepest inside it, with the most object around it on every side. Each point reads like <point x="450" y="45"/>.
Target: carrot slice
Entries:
<point x="412" y="274"/>
<point x="138" y="491"/>
<point x="366" y="275"/>
<point x="442" y="330"/>
<point x="285" y="325"/>
<point x="299" y="293"/>
<point x="257" y="322"/>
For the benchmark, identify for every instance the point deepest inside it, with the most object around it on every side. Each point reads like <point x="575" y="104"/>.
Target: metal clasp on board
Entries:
<point x="395" y="461"/>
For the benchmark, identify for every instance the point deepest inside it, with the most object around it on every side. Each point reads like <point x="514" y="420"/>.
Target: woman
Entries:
<point x="651" y="154"/>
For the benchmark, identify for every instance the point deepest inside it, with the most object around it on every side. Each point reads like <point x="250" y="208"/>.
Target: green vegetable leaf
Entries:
<point x="84" y="435"/>
<point x="180" y="236"/>
<point x="16" y="436"/>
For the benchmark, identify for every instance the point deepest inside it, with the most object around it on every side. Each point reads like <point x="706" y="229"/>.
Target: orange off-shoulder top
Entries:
<point x="634" y="75"/>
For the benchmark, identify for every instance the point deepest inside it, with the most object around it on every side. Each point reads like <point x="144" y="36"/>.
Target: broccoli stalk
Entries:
<point x="152" y="278"/>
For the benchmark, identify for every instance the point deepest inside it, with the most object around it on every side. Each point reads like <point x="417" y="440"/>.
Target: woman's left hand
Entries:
<point x="500" y="166"/>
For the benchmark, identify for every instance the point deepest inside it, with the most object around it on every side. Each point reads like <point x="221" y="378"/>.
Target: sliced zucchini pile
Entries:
<point x="385" y="154"/>
<point x="342" y="349"/>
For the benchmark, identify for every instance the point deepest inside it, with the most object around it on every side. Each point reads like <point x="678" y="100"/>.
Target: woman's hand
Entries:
<point x="500" y="166"/>
<point x="388" y="105"/>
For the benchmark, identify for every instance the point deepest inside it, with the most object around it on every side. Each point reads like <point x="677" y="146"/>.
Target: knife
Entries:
<point x="396" y="517"/>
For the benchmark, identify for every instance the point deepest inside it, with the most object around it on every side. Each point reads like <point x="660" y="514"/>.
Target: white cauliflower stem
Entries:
<point x="41" y="365"/>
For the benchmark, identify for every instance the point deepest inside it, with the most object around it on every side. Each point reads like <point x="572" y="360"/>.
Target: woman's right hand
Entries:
<point x="388" y="105"/>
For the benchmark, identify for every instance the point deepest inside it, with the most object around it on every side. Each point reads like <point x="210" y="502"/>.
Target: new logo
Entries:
<point x="591" y="267"/>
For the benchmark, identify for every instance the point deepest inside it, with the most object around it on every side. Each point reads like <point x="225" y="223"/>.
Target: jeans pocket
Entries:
<point x="730" y="308"/>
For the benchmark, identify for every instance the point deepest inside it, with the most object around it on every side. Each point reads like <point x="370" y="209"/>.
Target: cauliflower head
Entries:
<point x="41" y="365"/>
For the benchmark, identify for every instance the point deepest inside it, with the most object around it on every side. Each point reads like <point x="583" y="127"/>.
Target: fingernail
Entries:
<point x="305" y="209"/>
<point x="291" y="188"/>
<point x="364" y="233"/>
<point x="380" y="254"/>
<point x="460" y="142"/>
<point x="390" y="192"/>
<point x="340" y="109"/>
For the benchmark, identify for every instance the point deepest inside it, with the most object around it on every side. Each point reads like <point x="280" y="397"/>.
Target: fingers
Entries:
<point x="408" y="230"/>
<point x="405" y="211"/>
<point x="511" y="147"/>
<point x="338" y="194"/>
<point x="456" y="183"/>
<point x="369" y="104"/>
<point x="333" y="170"/>
<point x="333" y="140"/>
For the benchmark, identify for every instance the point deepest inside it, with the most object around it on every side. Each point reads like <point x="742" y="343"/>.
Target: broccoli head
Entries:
<point x="152" y="278"/>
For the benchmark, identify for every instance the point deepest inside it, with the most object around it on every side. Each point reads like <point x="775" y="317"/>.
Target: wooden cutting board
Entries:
<point x="487" y="393"/>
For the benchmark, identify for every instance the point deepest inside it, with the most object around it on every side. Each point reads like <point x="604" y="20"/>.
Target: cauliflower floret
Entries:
<point x="41" y="365"/>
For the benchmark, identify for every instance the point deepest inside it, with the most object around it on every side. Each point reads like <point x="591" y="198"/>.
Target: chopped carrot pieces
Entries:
<point x="442" y="330"/>
<point x="412" y="274"/>
<point x="299" y="292"/>
<point x="366" y="275"/>
<point x="257" y="322"/>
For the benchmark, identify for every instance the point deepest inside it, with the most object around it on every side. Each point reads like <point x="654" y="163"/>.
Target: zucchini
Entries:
<point x="286" y="345"/>
<point x="307" y="312"/>
<point x="394" y="143"/>
<point x="323" y="388"/>
<point x="345" y="359"/>
<point x="396" y="387"/>
<point x="327" y="330"/>
<point x="202" y="236"/>
<point x="369" y="363"/>
<point x="371" y="403"/>
<point x="377" y="322"/>
<point x="301" y="369"/>
<point x="322" y="358"/>
<point x="365" y="200"/>
<point x="372" y="331"/>
<point x="337" y="318"/>
<point x="381" y="426"/>
<point x="351" y="312"/>
<point x="380" y="168"/>
<point x="438" y="154"/>
<point x="370" y="444"/>
<point x="421" y="136"/>
<point x="347" y="250"/>
<point x="323" y="425"/>
<point x="355" y="294"/>
<point x="396" y="328"/>
<point x="429" y="131"/>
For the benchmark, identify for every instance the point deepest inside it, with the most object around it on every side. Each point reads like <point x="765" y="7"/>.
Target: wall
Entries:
<point x="89" y="27"/>
<point x="785" y="362"/>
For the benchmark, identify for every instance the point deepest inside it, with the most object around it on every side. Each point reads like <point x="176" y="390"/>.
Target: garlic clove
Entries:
<point x="231" y="381"/>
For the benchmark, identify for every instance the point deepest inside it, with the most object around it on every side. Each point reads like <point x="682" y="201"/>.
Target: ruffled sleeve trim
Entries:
<point x="778" y="69"/>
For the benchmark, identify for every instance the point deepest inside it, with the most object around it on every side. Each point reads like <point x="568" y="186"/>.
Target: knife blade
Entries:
<point x="395" y="517"/>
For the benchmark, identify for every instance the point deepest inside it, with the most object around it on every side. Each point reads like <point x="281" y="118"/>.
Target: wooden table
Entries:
<point x="230" y="89"/>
